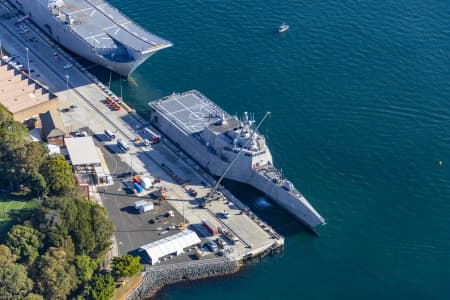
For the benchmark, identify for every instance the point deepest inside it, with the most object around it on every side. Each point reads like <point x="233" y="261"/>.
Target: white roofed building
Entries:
<point x="174" y="244"/>
<point x="85" y="158"/>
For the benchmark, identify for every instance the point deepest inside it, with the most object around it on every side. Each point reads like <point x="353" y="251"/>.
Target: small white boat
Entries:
<point x="283" y="27"/>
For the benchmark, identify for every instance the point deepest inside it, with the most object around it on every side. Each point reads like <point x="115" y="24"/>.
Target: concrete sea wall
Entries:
<point x="156" y="277"/>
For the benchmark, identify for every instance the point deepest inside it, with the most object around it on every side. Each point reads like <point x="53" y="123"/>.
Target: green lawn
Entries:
<point x="12" y="208"/>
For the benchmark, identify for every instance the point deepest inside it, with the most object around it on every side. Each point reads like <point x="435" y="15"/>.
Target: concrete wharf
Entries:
<point x="76" y="86"/>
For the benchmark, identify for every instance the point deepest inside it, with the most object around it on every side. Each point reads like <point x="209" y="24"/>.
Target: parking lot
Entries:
<point x="134" y="229"/>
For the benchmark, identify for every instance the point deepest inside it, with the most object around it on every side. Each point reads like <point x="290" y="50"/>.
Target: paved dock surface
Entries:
<point x="93" y="115"/>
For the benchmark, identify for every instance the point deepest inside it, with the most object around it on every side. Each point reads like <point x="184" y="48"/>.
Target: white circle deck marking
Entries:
<point x="196" y="116"/>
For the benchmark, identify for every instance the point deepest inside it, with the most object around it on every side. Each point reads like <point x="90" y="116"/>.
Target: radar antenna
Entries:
<point x="208" y="198"/>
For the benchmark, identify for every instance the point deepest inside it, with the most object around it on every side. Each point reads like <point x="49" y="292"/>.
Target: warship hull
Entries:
<point x="258" y="177"/>
<point x="91" y="45"/>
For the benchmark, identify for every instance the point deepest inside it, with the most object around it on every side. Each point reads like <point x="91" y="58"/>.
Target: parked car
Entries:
<point x="212" y="246"/>
<point x="123" y="145"/>
<point x="110" y="134"/>
<point x="221" y="242"/>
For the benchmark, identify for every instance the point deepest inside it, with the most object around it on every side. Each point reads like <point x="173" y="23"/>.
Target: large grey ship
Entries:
<point x="94" y="30"/>
<point x="214" y="139"/>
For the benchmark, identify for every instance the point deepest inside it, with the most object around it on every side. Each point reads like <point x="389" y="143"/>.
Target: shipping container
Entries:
<point x="210" y="227"/>
<point x="137" y="179"/>
<point x="137" y="187"/>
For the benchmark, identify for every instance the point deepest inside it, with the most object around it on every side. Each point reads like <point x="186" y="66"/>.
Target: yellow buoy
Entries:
<point x="440" y="163"/>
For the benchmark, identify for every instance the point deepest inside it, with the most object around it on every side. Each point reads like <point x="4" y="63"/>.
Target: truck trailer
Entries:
<point x="210" y="227"/>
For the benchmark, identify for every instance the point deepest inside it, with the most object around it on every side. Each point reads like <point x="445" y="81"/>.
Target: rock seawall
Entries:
<point x="156" y="277"/>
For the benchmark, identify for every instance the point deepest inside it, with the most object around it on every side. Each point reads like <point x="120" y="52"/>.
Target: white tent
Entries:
<point x="174" y="244"/>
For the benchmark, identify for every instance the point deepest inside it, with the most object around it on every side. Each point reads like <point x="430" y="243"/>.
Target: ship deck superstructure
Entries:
<point x="94" y="30"/>
<point x="191" y="111"/>
<point x="103" y="26"/>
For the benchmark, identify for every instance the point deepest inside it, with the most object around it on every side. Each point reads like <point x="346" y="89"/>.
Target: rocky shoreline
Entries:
<point x="157" y="277"/>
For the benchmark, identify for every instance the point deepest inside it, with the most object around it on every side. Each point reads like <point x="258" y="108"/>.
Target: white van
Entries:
<point x="110" y="134"/>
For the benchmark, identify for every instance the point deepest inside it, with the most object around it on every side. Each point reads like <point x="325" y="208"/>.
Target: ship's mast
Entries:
<point x="216" y="186"/>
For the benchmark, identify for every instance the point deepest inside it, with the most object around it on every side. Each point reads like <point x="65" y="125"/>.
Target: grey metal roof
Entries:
<point x="191" y="111"/>
<point x="52" y="124"/>
<point x="82" y="151"/>
<point x="102" y="26"/>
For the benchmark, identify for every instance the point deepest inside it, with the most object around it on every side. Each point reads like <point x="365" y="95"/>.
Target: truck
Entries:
<point x="210" y="227"/>
<point x="143" y="206"/>
<point x="234" y="239"/>
<point x="154" y="137"/>
<point x="146" y="208"/>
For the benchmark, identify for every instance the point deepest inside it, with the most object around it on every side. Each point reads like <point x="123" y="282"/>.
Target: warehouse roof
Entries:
<point x="82" y="151"/>
<point x="18" y="92"/>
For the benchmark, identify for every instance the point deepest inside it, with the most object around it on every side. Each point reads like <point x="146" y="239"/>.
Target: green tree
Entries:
<point x="82" y="230"/>
<point x="38" y="185"/>
<point x="101" y="287"/>
<point x="104" y="229"/>
<point x="126" y="266"/>
<point x="5" y="115"/>
<point x="28" y="159"/>
<point x="6" y="257"/>
<point x="58" y="175"/>
<point x="36" y="154"/>
<point x="25" y="242"/>
<point x="14" y="282"/>
<point x="34" y="297"/>
<point x="13" y="140"/>
<point x="85" y="267"/>
<point x="55" y="277"/>
<point x="19" y="156"/>
<point x="85" y="222"/>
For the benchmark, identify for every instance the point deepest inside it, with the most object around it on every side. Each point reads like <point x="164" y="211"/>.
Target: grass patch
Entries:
<point x="13" y="209"/>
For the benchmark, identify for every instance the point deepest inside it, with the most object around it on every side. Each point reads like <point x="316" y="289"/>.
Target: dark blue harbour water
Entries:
<point x="361" y="116"/>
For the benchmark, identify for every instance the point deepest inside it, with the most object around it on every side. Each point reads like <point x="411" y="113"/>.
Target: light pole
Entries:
<point x="28" y="63"/>
<point x="131" y="166"/>
<point x="184" y="218"/>
<point x="87" y="119"/>
<point x="67" y="87"/>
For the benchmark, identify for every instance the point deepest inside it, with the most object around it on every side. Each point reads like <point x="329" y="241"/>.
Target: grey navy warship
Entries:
<point x="94" y="30"/>
<point x="213" y="138"/>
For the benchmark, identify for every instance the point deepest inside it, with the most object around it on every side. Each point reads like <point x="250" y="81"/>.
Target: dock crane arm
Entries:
<point x="216" y="186"/>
